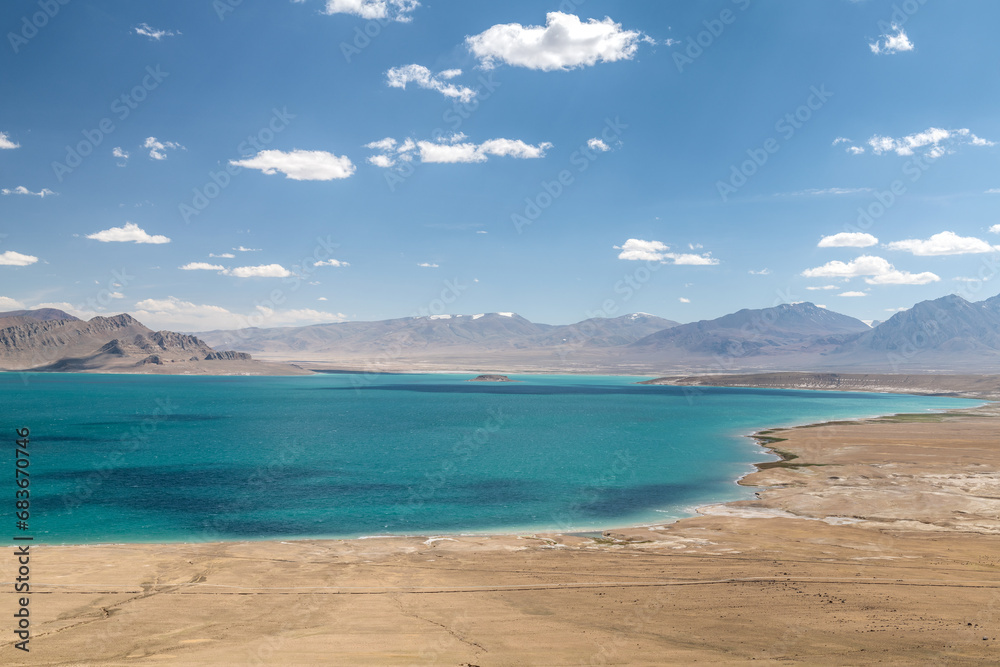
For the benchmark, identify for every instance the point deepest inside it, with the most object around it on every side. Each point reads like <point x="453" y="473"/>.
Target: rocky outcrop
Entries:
<point x="227" y="355"/>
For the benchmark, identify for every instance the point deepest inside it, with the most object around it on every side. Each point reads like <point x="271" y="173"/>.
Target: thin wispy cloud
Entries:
<point x="933" y="142"/>
<point x="146" y="30"/>
<point x="21" y="190"/>
<point x="158" y="149"/>
<point x="399" y="77"/>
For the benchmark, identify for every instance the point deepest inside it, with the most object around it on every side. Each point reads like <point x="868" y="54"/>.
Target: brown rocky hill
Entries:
<point x="29" y="341"/>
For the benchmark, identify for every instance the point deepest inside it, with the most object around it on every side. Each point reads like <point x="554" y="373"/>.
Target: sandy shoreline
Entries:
<point x="871" y="540"/>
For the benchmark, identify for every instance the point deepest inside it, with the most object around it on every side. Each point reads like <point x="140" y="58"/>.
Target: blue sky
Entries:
<point x="323" y="160"/>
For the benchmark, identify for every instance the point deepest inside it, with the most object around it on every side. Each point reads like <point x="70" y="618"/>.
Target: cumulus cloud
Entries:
<point x="201" y="266"/>
<point x="888" y="44"/>
<point x="173" y="313"/>
<point x="398" y="77"/>
<point x="934" y="141"/>
<point x="655" y="251"/>
<point x="452" y="150"/>
<point x="428" y="265"/>
<point x="855" y="150"/>
<point x="331" y="262"/>
<point x="393" y="10"/>
<point x="684" y="300"/>
<point x="157" y="148"/>
<point x="300" y="165"/>
<point x="877" y="271"/>
<point x="145" y="30"/>
<point x="944" y="243"/>
<point x="848" y="240"/>
<point x="6" y="142"/>
<point x="995" y="229"/>
<point x="7" y="303"/>
<point x="131" y="232"/>
<point x="21" y="190"/>
<point x="262" y="271"/>
<point x="762" y="272"/>
<point x="11" y="258"/>
<point x="853" y="294"/>
<point x="565" y="42"/>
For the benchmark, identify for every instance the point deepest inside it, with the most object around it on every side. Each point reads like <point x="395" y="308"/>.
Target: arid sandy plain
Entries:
<point x="879" y="542"/>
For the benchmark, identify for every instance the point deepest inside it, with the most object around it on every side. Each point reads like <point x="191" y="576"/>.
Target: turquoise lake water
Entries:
<point x="118" y="458"/>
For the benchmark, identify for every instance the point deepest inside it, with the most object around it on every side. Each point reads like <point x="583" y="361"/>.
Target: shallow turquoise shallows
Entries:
<point x="177" y="458"/>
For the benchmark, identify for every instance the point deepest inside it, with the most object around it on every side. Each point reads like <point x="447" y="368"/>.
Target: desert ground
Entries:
<point x="875" y="541"/>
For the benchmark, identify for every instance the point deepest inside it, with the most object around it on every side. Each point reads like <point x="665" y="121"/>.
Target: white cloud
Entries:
<point x="157" y="148"/>
<point x="848" y="240"/>
<point x="300" y="165"/>
<point x="852" y="294"/>
<point x="11" y="258"/>
<point x="121" y="154"/>
<point x="383" y="161"/>
<point x="855" y="150"/>
<point x="936" y="140"/>
<point x="881" y="272"/>
<point x="21" y="190"/>
<point x="7" y="303"/>
<point x="322" y="298"/>
<point x="262" y="271"/>
<point x="201" y="266"/>
<point x="565" y="42"/>
<point x="841" y="140"/>
<point x="394" y="10"/>
<point x="684" y="300"/>
<point x="823" y="287"/>
<point x="242" y="249"/>
<point x="398" y="77"/>
<point x="453" y="150"/>
<point x="993" y="191"/>
<point x="995" y="229"/>
<point x="130" y="232"/>
<point x="944" y="243"/>
<point x="116" y="295"/>
<point x="225" y="255"/>
<point x="331" y="262"/>
<point x="831" y="191"/>
<point x="655" y="251"/>
<point x="889" y="44"/>
<point x="428" y="265"/>
<point x="596" y="144"/>
<point x="6" y="142"/>
<point x="762" y="272"/>
<point x="145" y="30"/>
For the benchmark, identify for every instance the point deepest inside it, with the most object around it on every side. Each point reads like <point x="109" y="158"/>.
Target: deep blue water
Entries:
<point x="180" y="458"/>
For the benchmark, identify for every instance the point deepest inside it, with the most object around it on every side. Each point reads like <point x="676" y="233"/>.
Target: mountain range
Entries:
<point x="945" y="334"/>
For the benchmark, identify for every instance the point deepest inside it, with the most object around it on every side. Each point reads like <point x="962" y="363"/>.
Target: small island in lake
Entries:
<point x="491" y="378"/>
